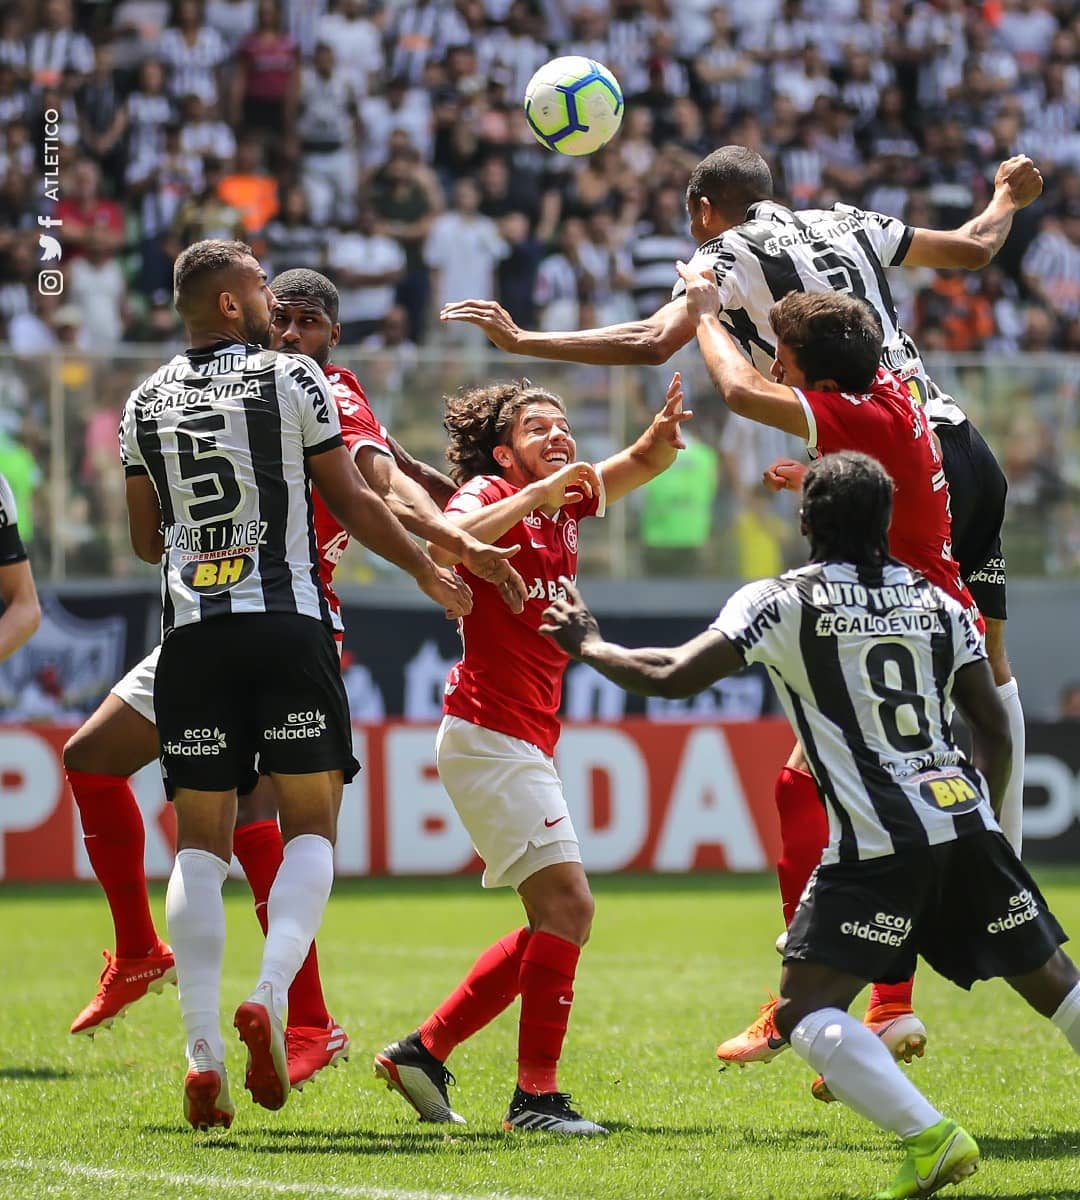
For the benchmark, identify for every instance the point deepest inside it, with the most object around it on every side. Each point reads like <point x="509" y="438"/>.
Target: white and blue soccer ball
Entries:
<point x="574" y="105"/>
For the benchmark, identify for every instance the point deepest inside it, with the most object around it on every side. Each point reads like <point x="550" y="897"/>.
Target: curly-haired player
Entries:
<point x="513" y="455"/>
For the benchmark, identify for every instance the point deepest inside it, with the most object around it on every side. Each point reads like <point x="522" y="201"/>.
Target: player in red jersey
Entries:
<point x="827" y="388"/>
<point x="513" y="454"/>
<point x="121" y="737"/>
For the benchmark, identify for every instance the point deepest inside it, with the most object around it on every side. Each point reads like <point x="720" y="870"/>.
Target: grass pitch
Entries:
<point x="674" y="965"/>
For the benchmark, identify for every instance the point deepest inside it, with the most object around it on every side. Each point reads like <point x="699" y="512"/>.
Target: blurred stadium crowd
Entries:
<point x="386" y="144"/>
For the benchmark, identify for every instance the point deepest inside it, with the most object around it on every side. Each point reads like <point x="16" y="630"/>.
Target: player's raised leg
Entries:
<point x="313" y="1039"/>
<point x="117" y="740"/>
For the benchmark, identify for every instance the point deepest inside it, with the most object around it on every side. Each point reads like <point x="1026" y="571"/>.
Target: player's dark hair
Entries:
<point x="480" y="418"/>
<point x="847" y="501"/>
<point x="200" y="260"/>
<point x="303" y="284"/>
<point x="731" y="179"/>
<point x="832" y="337"/>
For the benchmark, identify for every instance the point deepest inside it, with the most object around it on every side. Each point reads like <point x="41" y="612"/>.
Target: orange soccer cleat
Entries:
<point x="310" y="1049"/>
<point x="758" y="1042"/>
<point x="123" y="982"/>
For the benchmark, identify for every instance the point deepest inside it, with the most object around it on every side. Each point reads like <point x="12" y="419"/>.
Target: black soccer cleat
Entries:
<point x="549" y="1112"/>
<point x="411" y="1070"/>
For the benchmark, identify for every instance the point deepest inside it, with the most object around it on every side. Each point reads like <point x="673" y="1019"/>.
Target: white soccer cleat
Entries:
<point x="207" y="1103"/>
<point x="260" y="1029"/>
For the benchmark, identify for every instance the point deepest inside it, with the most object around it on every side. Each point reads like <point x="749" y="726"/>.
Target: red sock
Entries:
<point x="891" y="993"/>
<point x="489" y="987"/>
<point x="547" y="992"/>
<point x="258" y="849"/>
<point x="804" y="834"/>
<point x="115" y="838"/>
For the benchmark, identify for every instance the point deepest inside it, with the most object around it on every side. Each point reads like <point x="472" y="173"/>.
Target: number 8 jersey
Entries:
<point x="223" y="433"/>
<point x="863" y="661"/>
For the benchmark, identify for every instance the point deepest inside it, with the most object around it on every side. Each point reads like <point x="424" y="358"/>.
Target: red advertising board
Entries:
<point x="645" y="796"/>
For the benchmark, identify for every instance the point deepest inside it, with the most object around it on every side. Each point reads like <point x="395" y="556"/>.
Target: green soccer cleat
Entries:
<point x="942" y="1154"/>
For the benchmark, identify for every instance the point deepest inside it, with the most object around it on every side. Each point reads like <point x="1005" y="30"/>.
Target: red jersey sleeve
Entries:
<point x="841" y="421"/>
<point x="359" y="425"/>
<point x="479" y="492"/>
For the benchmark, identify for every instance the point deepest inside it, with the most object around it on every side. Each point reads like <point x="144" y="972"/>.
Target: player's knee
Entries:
<point x="83" y="752"/>
<point x="568" y="913"/>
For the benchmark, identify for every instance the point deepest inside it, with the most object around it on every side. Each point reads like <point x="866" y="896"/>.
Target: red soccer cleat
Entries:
<point x="310" y="1049"/>
<point x="758" y="1042"/>
<point x="122" y="983"/>
<point x="207" y="1103"/>
<point x="260" y="1030"/>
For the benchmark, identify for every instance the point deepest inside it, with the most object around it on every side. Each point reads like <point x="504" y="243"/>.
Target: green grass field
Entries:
<point x="673" y="965"/>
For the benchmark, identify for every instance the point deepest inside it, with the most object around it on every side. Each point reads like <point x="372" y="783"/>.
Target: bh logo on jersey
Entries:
<point x="570" y="535"/>
<point x="213" y="578"/>
<point x="1023" y="907"/>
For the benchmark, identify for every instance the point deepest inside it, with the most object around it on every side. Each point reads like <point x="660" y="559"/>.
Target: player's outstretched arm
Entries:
<point x="674" y="673"/>
<point x="1016" y="184"/>
<point x="653" y="340"/>
<point x="144" y="519"/>
<point x="438" y="486"/>
<point x="575" y="481"/>
<point x="742" y="388"/>
<point x="652" y="453"/>
<point x="22" y="612"/>
<point x="369" y="520"/>
<point x="417" y="512"/>
<point x="976" y="697"/>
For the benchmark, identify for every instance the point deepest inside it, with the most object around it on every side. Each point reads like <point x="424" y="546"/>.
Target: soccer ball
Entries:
<point x="574" y="105"/>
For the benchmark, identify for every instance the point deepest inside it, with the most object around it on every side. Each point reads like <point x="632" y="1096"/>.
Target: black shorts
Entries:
<point x="251" y="685"/>
<point x="968" y="906"/>
<point x="977" y="487"/>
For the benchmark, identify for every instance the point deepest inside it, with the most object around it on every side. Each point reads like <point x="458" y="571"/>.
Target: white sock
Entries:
<point x="294" y="911"/>
<point x="1067" y="1018"/>
<point x="196" y="915"/>
<point x="1012" y="806"/>
<point x="860" y="1071"/>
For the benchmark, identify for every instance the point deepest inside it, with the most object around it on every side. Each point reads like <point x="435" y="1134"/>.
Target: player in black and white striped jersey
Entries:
<point x="218" y="447"/>
<point x="867" y="655"/>
<point x="22" y="612"/>
<point x="760" y="251"/>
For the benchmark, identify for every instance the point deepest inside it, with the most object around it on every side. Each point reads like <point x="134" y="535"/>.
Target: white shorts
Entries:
<point x="510" y="800"/>
<point x="136" y="689"/>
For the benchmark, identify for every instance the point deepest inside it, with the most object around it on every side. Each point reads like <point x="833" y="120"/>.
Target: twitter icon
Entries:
<point x="50" y="248"/>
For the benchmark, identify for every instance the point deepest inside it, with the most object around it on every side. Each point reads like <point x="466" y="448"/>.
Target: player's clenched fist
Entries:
<point x="1021" y="178"/>
<point x="785" y="473"/>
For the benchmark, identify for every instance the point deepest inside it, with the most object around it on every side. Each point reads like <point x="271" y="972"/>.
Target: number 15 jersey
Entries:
<point x="224" y="433"/>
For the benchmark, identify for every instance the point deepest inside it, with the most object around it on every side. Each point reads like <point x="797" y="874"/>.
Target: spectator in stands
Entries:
<point x="366" y="266"/>
<point x="1068" y="703"/>
<point x="421" y="31"/>
<point x="205" y="215"/>
<point x="232" y="19"/>
<point x="161" y="181"/>
<point x="193" y="54"/>
<point x="102" y="115"/>
<point x="406" y="200"/>
<point x="266" y="76"/>
<point x="401" y="107"/>
<point x="462" y="251"/>
<point x="953" y="314"/>
<point x="83" y="208"/>
<point x="205" y="134"/>
<point x="356" y="42"/>
<point x="394" y="354"/>
<point x="56" y="48"/>
<point x="149" y="108"/>
<point x="250" y="188"/>
<point x="1051" y="266"/>
<point x="97" y="288"/>
<point x="657" y="243"/>
<point x="136" y="26"/>
<point x="292" y="238"/>
<point x="327" y="129"/>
